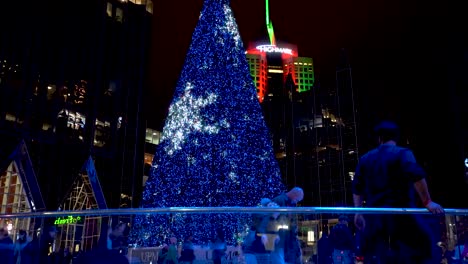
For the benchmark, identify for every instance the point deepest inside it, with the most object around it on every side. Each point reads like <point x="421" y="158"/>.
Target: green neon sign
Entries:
<point x="67" y="220"/>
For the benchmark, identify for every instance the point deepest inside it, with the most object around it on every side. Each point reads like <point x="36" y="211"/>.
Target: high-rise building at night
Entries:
<point x="335" y="139"/>
<point x="271" y="64"/>
<point x="313" y="128"/>
<point x="71" y="86"/>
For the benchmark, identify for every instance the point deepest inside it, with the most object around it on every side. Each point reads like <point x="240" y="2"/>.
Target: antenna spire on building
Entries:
<point x="269" y="24"/>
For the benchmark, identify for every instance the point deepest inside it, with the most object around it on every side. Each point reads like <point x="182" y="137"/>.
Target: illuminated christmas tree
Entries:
<point x="215" y="148"/>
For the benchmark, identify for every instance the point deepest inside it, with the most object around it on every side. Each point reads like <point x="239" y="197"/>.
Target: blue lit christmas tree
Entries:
<point x="215" y="148"/>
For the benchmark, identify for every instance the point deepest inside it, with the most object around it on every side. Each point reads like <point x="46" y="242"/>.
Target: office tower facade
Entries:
<point x="270" y="65"/>
<point x="73" y="90"/>
<point x="334" y="139"/>
<point x="313" y="128"/>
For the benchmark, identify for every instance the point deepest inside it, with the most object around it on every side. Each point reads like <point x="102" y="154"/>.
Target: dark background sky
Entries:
<point x="402" y="53"/>
<point x="394" y="47"/>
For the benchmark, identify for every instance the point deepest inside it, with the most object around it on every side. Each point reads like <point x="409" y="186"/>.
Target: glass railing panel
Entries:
<point x="252" y="235"/>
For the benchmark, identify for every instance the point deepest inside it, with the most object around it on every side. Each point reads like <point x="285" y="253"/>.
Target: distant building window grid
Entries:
<point x="256" y="66"/>
<point x="75" y="120"/>
<point x="119" y="14"/>
<point x="153" y="136"/>
<point x="300" y="67"/>
<point x="304" y="75"/>
<point x="109" y="9"/>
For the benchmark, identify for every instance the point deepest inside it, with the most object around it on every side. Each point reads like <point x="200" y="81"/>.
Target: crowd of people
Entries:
<point x="386" y="176"/>
<point x="274" y="237"/>
<point x="30" y="249"/>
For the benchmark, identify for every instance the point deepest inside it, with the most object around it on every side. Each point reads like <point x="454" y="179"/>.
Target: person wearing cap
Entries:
<point x="389" y="176"/>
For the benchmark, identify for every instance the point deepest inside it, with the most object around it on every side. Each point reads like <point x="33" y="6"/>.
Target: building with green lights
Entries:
<point x="270" y="65"/>
<point x="313" y="128"/>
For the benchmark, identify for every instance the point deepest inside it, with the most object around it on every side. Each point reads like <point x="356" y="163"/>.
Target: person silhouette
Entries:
<point x="389" y="176"/>
<point x="287" y="249"/>
<point x="219" y="246"/>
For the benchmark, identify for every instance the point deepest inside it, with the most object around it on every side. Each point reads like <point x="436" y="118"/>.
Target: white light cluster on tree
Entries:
<point x="215" y="149"/>
<point x="231" y="26"/>
<point x="184" y="118"/>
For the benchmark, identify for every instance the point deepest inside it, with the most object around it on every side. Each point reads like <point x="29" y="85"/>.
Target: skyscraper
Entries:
<point x="270" y="65"/>
<point x="77" y="70"/>
<point x="313" y="128"/>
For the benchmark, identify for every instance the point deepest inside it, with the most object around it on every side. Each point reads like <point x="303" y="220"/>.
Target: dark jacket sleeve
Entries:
<point x="412" y="170"/>
<point x="358" y="184"/>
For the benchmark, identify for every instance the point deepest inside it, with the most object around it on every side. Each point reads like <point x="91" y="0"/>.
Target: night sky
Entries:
<point x="402" y="55"/>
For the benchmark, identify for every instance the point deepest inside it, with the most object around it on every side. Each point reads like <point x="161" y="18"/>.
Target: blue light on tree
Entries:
<point x="216" y="148"/>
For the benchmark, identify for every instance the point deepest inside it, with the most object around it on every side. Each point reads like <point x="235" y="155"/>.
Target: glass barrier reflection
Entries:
<point x="224" y="235"/>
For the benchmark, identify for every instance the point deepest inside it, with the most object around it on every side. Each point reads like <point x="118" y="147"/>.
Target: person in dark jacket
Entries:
<point x="324" y="248"/>
<point x="102" y="256"/>
<point x="6" y="247"/>
<point x="188" y="252"/>
<point x="342" y="241"/>
<point x="288" y="248"/>
<point x="219" y="246"/>
<point x="389" y="176"/>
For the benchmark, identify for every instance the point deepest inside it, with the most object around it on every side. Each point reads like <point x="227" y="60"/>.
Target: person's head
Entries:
<point x="296" y="195"/>
<point x="343" y="219"/>
<point x="265" y="202"/>
<point x="121" y="227"/>
<point x="387" y="131"/>
<point x="22" y="235"/>
<point x="52" y="231"/>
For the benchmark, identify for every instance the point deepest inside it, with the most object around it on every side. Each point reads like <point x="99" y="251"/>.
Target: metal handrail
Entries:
<point x="222" y="210"/>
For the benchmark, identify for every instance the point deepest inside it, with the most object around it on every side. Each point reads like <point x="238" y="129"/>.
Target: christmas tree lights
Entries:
<point x="215" y="149"/>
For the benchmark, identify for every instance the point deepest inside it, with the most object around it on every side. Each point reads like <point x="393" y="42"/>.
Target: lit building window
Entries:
<point x="109" y="9"/>
<point x="51" y="89"/>
<point x="119" y="14"/>
<point x="79" y="93"/>
<point x="138" y="2"/>
<point x="149" y="6"/>
<point x="153" y="136"/>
